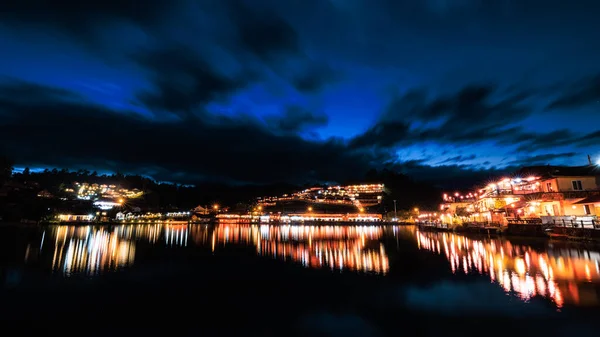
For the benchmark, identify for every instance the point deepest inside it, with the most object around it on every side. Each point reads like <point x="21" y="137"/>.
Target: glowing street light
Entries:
<point x="310" y="209"/>
<point x="361" y="209"/>
<point x="216" y="207"/>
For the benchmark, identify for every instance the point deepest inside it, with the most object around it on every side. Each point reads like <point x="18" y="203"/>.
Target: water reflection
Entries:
<point x="354" y="248"/>
<point x="93" y="249"/>
<point x="560" y="274"/>
<point x="554" y="271"/>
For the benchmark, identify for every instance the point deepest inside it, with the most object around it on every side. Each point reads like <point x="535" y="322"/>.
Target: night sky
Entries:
<point x="299" y="90"/>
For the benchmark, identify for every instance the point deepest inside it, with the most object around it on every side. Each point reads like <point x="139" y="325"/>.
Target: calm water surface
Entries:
<point x="385" y="269"/>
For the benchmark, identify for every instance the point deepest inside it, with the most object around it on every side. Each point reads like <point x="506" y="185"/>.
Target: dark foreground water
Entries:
<point x="230" y="279"/>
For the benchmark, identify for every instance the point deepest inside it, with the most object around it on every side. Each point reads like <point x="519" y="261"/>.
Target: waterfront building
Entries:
<point x="546" y="193"/>
<point x="75" y="217"/>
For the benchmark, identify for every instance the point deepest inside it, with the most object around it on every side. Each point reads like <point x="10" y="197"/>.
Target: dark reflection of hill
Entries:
<point x="407" y="264"/>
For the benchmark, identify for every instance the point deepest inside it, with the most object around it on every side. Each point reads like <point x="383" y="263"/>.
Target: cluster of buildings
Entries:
<point x="348" y="203"/>
<point x="85" y="191"/>
<point x="537" y="194"/>
<point x="354" y="195"/>
<point x="103" y="198"/>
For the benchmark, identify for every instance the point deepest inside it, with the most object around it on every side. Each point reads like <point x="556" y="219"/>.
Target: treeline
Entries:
<point x="407" y="191"/>
<point x="157" y="195"/>
<point x="55" y="180"/>
<point x="6" y="168"/>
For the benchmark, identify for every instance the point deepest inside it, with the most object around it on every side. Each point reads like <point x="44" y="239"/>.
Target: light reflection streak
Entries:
<point x="92" y="250"/>
<point x="559" y="274"/>
<point x="354" y="248"/>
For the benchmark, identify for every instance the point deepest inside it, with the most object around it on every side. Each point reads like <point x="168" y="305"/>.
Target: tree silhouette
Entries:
<point x="6" y="169"/>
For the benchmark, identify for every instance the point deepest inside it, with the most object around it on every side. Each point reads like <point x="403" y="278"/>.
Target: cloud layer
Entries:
<point x="263" y="91"/>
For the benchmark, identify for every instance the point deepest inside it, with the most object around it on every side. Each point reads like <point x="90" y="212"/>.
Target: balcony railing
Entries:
<point x="550" y="196"/>
<point x="524" y="221"/>
<point x="574" y="223"/>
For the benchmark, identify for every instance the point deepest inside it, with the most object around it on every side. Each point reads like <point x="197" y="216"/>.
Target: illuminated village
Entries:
<point x="548" y="195"/>
<point x="349" y="203"/>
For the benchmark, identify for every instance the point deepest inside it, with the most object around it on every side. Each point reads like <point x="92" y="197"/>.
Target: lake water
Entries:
<point x="267" y="280"/>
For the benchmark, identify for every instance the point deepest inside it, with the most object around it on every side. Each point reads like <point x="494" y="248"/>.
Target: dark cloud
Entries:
<point x="458" y="159"/>
<point x="533" y="141"/>
<point x="473" y="114"/>
<point x="542" y="159"/>
<point x="383" y="135"/>
<point x="452" y="176"/>
<point x="83" y="19"/>
<point x="20" y="92"/>
<point x="184" y="81"/>
<point x="583" y="93"/>
<point x="590" y="139"/>
<point x="75" y="133"/>
<point x="296" y="119"/>
<point x="195" y="55"/>
<point x="265" y="34"/>
<point x="53" y="127"/>
<point x="315" y="78"/>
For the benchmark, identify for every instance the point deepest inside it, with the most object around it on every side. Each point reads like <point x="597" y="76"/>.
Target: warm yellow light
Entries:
<point x="520" y="266"/>
<point x="310" y="209"/>
<point x="416" y="209"/>
<point x="362" y="209"/>
<point x="121" y="201"/>
<point x="260" y="208"/>
<point x="215" y="207"/>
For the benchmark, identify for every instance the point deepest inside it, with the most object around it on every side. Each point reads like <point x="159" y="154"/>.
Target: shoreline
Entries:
<point x="581" y="235"/>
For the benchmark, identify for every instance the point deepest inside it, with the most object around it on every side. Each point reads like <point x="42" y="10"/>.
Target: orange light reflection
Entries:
<point x="558" y="274"/>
